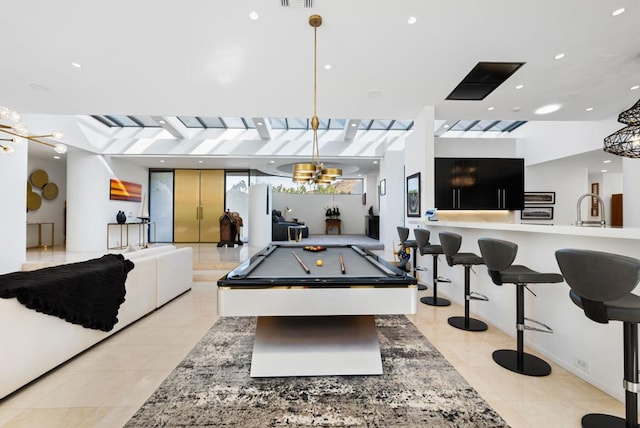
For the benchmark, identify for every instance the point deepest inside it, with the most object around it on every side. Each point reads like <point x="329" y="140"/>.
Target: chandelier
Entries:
<point x="626" y="141"/>
<point x="315" y="172"/>
<point x="18" y="133"/>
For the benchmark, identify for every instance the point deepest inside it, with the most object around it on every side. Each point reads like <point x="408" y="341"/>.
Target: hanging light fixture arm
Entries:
<point x="19" y="133"/>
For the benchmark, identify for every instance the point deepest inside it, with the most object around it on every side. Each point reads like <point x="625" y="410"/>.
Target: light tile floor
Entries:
<point x="104" y="386"/>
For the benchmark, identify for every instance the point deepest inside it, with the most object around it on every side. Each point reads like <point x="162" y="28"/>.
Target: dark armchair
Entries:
<point x="280" y="227"/>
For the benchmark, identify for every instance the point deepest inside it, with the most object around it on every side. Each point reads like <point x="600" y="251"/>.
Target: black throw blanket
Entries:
<point x="88" y="293"/>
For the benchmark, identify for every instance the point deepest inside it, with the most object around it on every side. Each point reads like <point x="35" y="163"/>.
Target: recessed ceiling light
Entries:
<point x="56" y="157"/>
<point x="254" y="16"/>
<point x="589" y="109"/>
<point x="607" y="161"/>
<point x="259" y="123"/>
<point x="38" y="86"/>
<point x="200" y="161"/>
<point x="549" y="108"/>
<point x="76" y="65"/>
<point x="375" y="162"/>
<point x="161" y="160"/>
<point x="491" y="108"/>
<point x="327" y="66"/>
<point x="374" y="94"/>
<point x="604" y="170"/>
<point x="161" y="122"/>
<point x="272" y="161"/>
<point x="446" y="126"/>
<point x="354" y="125"/>
<point x="633" y="88"/>
<point x="559" y="56"/>
<point x="519" y="86"/>
<point x="618" y="12"/>
<point x="412" y="20"/>
<point x="516" y="109"/>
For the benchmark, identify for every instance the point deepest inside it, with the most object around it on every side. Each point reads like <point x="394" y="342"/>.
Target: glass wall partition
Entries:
<point x="161" y="204"/>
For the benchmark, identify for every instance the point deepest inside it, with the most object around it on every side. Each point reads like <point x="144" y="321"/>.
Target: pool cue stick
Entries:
<point x="341" y="263"/>
<point x="306" y="269"/>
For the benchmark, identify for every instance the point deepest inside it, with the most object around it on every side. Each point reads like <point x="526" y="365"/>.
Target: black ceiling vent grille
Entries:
<point x="483" y="79"/>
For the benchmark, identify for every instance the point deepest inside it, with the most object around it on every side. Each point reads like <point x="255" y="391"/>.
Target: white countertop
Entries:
<point x="604" y="232"/>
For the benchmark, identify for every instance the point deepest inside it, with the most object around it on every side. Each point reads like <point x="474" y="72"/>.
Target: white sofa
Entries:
<point x="34" y="343"/>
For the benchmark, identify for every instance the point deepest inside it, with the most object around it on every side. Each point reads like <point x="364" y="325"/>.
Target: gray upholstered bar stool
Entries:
<point x="424" y="247"/>
<point x="499" y="255"/>
<point x="405" y="242"/>
<point x="451" y="243"/>
<point x="601" y="284"/>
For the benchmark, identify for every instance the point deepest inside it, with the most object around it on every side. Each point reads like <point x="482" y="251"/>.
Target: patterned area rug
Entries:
<point x="211" y="387"/>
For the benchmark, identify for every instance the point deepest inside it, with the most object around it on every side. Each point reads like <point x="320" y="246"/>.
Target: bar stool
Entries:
<point x="422" y="238"/>
<point x="403" y="234"/>
<point x="450" y="245"/>
<point x="601" y="284"/>
<point x="498" y="256"/>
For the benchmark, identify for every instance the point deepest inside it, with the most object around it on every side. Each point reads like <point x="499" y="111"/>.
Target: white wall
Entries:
<point x="566" y="183"/>
<point x="89" y="208"/>
<point x="50" y="211"/>
<point x="631" y="192"/>
<point x="554" y="140"/>
<point x="311" y="208"/>
<point x="13" y="216"/>
<point x="475" y="148"/>
<point x="392" y="203"/>
<point x="260" y="203"/>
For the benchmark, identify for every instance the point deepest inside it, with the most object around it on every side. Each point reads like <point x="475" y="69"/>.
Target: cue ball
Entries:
<point x="319" y="262"/>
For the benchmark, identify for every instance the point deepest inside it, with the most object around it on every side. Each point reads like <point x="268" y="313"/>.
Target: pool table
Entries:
<point x="316" y="319"/>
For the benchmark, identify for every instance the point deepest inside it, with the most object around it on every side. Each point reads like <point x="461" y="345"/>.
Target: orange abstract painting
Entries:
<point x="125" y="191"/>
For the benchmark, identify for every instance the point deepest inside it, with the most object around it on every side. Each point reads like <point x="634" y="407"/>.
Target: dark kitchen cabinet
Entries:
<point x="455" y="183"/>
<point x="479" y="183"/>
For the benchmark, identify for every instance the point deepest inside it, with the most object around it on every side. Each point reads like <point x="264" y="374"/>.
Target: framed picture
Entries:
<point x="595" y="208"/>
<point x="383" y="187"/>
<point x="537" y="213"/>
<point x="413" y="195"/>
<point x="539" y="198"/>
<point x="125" y="191"/>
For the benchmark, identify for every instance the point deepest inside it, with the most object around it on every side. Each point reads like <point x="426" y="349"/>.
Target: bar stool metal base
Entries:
<point x="435" y="301"/>
<point x="531" y="365"/>
<point x="598" y="420"/>
<point x="422" y="287"/>
<point x="468" y="324"/>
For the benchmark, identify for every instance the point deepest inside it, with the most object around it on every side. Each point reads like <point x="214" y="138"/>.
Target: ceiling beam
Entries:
<point x="263" y="127"/>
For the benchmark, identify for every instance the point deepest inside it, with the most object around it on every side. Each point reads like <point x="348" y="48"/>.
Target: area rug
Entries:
<point x="211" y="388"/>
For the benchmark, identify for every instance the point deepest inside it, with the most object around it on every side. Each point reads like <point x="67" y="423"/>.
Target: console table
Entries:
<point x="39" y="226"/>
<point x="124" y="234"/>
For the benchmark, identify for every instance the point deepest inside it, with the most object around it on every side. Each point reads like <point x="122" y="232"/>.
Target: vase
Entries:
<point x="121" y="217"/>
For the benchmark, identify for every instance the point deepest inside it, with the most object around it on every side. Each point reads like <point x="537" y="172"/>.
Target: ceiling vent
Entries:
<point x="483" y="79"/>
<point x="298" y="4"/>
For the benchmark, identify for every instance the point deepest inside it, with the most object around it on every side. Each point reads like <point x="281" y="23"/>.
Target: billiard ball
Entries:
<point x="319" y="262"/>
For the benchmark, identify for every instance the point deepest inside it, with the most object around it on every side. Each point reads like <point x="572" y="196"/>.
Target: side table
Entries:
<point x="332" y="226"/>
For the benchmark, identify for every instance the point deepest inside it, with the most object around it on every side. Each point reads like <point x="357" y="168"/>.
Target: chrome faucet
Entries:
<point x="602" y="221"/>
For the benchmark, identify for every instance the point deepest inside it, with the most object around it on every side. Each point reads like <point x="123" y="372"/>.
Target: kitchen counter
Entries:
<point x="603" y="232"/>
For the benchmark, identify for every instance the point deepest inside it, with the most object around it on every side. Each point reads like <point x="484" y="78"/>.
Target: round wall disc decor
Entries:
<point x="39" y="178"/>
<point x="33" y="201"/>
<point x="50" y="191"/>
